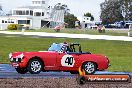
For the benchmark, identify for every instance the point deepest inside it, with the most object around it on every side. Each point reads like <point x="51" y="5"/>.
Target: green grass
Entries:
<point x="82" y="31"/>
<point x="119" y="52"/>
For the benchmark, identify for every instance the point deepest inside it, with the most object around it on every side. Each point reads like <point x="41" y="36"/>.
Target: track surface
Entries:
<point x="7" y="71"/>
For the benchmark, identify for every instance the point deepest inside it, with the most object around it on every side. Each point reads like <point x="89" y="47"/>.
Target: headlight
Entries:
<point x="20" y="56"/>
<point x="10" y="55"/>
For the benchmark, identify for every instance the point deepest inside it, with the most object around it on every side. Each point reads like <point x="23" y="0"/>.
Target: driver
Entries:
<point x="68" y="49"/>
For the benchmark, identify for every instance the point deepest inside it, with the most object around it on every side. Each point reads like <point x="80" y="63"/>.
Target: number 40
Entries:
<point x="69" y="60"/>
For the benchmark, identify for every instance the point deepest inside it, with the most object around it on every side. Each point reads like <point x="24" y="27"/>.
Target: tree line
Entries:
<point x="116" y="10"/>
<point x="111" y="11"/>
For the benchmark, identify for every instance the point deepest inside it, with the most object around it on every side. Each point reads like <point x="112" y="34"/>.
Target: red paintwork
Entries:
<point x="52" y="60"/>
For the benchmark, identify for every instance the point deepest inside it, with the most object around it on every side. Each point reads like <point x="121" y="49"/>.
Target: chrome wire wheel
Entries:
<point x="35" y="66"/>
<point x="89" y="67"/>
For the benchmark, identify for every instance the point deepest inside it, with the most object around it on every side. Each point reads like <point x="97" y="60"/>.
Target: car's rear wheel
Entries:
<point x="89" y="67"/>
<point x="22" y="70"/>
<point x="35" y="66"/>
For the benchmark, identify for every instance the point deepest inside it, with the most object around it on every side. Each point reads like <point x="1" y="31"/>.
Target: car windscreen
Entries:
<point x="57" y="47"/>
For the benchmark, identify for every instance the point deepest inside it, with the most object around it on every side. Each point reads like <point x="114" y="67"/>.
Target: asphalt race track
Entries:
<point x="7" y="71"/>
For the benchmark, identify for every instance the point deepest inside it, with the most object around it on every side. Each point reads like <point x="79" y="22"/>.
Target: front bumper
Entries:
<point x="19" y="65"/>
<point x="16" y="65"/>
<point x="15" y="62"/>
<point x="18" y="62"/>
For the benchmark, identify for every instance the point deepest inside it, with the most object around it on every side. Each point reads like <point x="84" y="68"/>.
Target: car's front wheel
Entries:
<point x="89" y="67"/>
<point x="35" y="66"/>
<point x="22" y="70"/>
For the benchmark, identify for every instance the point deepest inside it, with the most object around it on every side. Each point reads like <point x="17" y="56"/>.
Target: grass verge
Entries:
<point x="113" y="32"/>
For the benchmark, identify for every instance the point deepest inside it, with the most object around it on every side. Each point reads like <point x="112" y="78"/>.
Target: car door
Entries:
<point x="50" y="61"/>
<point x="67" y="62"/>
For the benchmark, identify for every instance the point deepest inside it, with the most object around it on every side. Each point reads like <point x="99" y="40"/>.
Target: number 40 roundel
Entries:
<point x="67" y="60"/>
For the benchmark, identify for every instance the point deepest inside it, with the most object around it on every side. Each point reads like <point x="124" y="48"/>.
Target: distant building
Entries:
<point x="39" y="14"/>
<point x="86" y="22"/>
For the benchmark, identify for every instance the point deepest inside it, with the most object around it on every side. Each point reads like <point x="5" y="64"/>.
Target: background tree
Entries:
<point x="70" y="19"/>
<point x="126" y="7"/>
<point x="64" y="7"/>
<point x="116" y="10"/>
<point x="89" y="15"/>
<point x="1" y="10"/>
<point x="111" y="12"/>
<point x="0" y="7"/>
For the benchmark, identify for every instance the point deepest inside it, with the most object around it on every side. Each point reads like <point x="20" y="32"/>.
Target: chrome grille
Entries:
<point x="16" y="60"/>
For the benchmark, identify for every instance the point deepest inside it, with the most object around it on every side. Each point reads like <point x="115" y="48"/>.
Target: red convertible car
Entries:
<point x="59" y="57"/>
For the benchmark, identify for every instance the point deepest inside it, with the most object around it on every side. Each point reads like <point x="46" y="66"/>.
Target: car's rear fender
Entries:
<point x="101" y="61"/>
<point x="89" y="60"/>
<point x="101" y="65"/>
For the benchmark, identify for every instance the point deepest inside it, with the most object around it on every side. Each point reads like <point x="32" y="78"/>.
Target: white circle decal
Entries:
<point x="68" y="61"/>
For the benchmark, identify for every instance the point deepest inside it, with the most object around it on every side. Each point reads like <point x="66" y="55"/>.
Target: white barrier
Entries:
<point x="130" y="27"/>
<point x="130" y="30"/>
<point x="1" y="28"/>
<point x="23" y="30"/>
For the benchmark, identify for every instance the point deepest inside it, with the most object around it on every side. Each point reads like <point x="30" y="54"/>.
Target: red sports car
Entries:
<point x="59" y="57"/>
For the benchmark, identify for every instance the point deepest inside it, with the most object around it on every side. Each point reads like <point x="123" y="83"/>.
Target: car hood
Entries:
<point x="14" y="54"/>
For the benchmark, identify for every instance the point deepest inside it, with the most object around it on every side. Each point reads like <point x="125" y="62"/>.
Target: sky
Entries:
<point x="77" y="7"/>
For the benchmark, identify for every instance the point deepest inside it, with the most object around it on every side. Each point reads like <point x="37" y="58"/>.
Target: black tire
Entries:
<point x="35" y="69"/>
<point x="22" y="70"/>
<point x="89" y="67"/>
